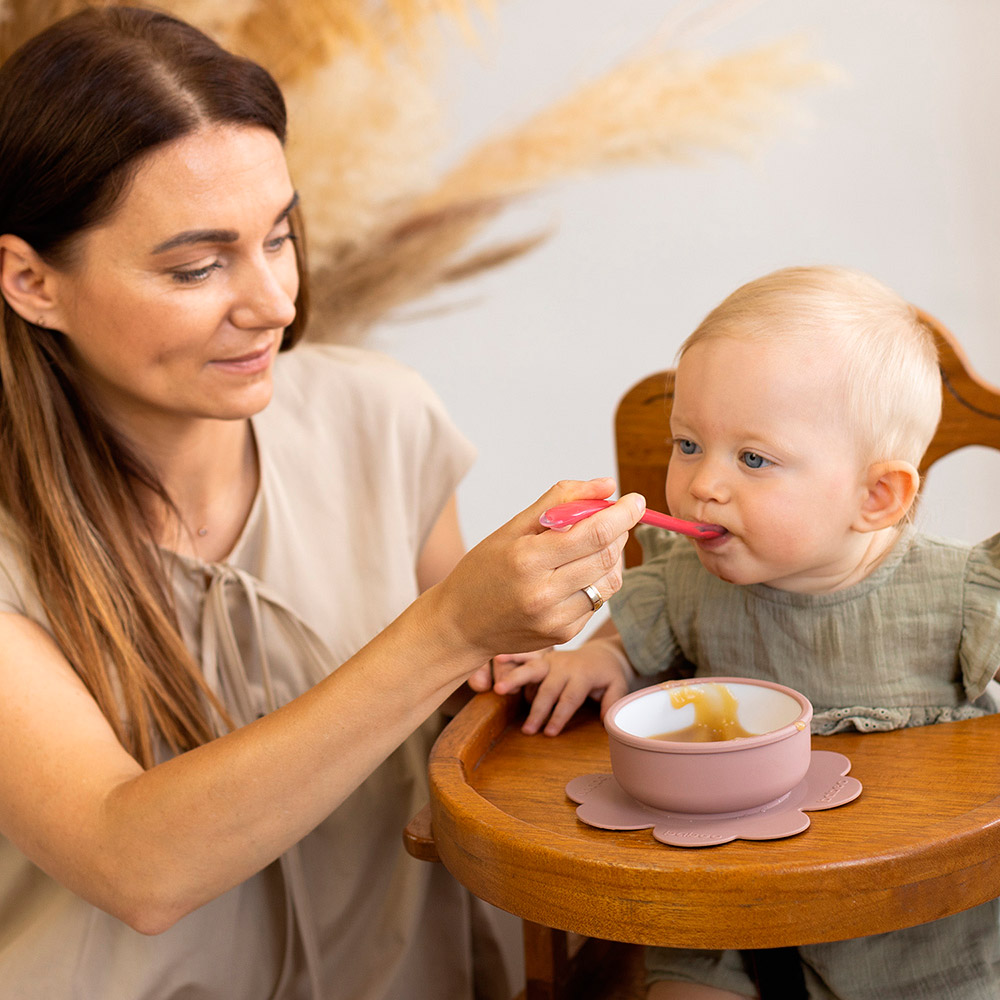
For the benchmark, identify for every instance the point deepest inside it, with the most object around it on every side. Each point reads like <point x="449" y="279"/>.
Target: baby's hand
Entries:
<point x="516" y="671"/>
<point x="500" y="673"/>
<point x="503" y="667"/>
<point x="482" y="678"/>
<point x="558" y="682"/>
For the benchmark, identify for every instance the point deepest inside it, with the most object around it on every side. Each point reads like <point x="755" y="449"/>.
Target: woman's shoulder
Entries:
<point x="358" y="408"/>
<point x="319" y="365"/>
<point x="316" y="384"/>
<point x="18" y="593"/>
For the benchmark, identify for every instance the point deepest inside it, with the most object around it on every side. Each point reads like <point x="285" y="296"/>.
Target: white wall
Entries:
<point x="896" y="175"/>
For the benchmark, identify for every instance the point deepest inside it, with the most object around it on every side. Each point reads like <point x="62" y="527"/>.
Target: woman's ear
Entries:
<point x="891" y="488"/>
<point x="26" y="281"/>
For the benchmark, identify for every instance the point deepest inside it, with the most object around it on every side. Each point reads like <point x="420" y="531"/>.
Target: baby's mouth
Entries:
<point x="708" y="530"/>
<point x="714" y="530"/>
<point x="713" y="540"/>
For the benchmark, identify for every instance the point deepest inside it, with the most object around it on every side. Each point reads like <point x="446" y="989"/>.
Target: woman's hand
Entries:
<point x="521" y="588"/>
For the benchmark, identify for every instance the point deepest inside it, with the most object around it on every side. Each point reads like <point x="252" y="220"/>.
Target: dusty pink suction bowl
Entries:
<point x="719" y="777"/>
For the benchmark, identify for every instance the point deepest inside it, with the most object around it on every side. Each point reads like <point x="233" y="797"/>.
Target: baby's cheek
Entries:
<point x="673" y="490"/>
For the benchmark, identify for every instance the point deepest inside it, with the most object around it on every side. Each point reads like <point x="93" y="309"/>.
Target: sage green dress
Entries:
<point x="357" y="460"/>
<point x="916" y="642"/>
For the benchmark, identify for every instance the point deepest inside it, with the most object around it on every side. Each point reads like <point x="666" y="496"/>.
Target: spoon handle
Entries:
<point x="565" y="514"/>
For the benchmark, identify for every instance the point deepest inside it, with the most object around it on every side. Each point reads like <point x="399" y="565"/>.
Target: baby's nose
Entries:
<point x="710" y="482"/>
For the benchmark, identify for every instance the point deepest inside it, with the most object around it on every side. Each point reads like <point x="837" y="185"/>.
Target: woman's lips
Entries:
<point x="250" y="363"/>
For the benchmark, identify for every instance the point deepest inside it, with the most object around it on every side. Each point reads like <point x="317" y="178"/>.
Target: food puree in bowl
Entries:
<point x="715" y="715"/>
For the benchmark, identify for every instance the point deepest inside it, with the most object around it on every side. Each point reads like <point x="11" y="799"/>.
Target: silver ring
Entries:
<point x="595" y="596"/>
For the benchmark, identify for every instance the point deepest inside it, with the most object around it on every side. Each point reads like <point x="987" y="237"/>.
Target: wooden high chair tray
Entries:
<point x="920" y="843"/>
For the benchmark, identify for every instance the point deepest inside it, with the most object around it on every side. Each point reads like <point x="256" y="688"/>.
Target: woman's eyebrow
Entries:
<point x="191" y="236"/>
<point x="284" y="213"/>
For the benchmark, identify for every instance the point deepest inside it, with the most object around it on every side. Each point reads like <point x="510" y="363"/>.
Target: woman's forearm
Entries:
<point x="187" y="830"/>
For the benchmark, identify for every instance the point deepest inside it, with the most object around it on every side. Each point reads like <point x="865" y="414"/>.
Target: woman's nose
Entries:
<point x="266" y="298"/>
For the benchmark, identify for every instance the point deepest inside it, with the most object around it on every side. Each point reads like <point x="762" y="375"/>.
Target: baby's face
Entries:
<point x="762" y="446"/>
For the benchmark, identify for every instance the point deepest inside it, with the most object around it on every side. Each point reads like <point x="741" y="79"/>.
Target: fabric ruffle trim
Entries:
<point x="881" y="720"/>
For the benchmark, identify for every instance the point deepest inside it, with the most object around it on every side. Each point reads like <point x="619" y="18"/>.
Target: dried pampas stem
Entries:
<point x="290" y="39"/>
<point x="402" y="263"/>
<point x="363" y="138"/>
<point x="24" y="18"/>
<point x="652" y="109"/>
<point x="219" y="18"/>
<point x="294" y="40"/>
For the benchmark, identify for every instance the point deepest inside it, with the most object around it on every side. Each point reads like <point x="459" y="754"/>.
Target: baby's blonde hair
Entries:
<point x="889" y="378"/>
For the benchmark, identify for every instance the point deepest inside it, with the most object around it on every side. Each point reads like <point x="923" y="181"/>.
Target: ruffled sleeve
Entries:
<point x="979" y="653"/>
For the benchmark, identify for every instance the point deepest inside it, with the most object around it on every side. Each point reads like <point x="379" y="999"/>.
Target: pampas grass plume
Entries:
<point x="654" y="109"/>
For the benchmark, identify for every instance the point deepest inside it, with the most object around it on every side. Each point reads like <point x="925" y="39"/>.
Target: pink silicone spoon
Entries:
<point x="565" y="514"/>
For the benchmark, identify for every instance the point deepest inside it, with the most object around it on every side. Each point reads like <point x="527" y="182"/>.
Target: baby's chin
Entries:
<point x="728" y="573"/>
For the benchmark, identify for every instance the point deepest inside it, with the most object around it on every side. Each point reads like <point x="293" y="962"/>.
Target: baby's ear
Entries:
<point x="891" y="488"/>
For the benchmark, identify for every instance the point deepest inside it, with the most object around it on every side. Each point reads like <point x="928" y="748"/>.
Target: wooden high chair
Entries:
<point x="920" y="843"/>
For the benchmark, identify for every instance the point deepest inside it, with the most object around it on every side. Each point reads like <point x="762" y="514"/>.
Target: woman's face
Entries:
<point x="175" y="307"/>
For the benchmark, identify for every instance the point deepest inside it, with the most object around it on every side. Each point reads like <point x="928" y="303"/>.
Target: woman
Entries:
<point x="205" y="756"/>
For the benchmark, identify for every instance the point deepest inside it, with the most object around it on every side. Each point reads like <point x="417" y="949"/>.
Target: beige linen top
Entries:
<point x="357" y="459"/>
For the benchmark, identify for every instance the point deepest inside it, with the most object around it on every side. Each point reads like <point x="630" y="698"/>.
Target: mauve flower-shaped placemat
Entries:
<point x="603" y="804"/>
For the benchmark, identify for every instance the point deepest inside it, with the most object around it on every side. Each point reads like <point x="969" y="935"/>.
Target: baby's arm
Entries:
<point x="559" y="681"/>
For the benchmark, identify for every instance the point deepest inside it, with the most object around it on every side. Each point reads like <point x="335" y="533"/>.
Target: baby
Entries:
<point x="803" y="404"/>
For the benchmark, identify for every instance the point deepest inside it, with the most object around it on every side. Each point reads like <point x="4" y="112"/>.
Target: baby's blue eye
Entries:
<point x="753" y="461"/>
<point x="686" y="447"/>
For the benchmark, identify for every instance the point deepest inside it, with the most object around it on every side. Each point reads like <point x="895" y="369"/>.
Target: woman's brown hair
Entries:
<point x="80" y="105"/>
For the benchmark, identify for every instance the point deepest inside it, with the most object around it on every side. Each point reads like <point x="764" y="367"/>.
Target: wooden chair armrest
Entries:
<point x="418" y="837"/>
